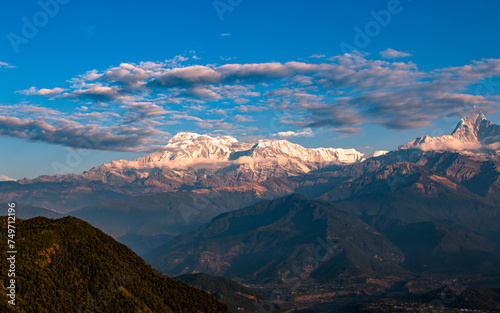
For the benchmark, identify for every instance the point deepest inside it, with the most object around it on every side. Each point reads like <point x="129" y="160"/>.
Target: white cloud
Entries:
<point x="6" y="178"/>
<point x="339" y="94"/>
<point x="241" y="118"/>
<point x="393" y="54"/>
<point x="317" y="56"/>
<point x="305" y="133"/>
<point x="203" y="93"/>
<point x="445" y="143"/>
<point x="6" y="65"/>
<point x="214" y="125"/>
<point x="77" y="130"/>
<point x="98" y="92"/>
<point x="42" y="92"/>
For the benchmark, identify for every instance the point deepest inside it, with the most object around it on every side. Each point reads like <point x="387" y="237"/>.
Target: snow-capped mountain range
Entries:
<point x="190" y="158"/>
<point x="201" y="163"/>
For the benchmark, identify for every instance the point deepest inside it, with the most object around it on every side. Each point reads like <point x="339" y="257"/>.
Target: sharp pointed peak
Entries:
<point x="473" y="117"/>
<point x="469" y="124"/>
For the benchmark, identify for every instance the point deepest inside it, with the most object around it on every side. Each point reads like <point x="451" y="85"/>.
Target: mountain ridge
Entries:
<point x="201" y="162"/>
<point x="186" y="153"/>
<point x="247" y="244"/>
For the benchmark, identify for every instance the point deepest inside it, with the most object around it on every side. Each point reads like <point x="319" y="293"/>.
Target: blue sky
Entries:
<point x="122" y="77"/>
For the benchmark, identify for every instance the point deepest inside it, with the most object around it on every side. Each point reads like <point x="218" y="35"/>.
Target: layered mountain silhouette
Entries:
<point x="445" y="187"/>
<point x="145" y="222"/>
<point x="412" y="184"/>
<point x="260" y="243"/>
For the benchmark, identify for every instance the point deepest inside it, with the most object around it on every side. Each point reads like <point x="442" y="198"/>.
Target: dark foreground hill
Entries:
<point x="66" y="265"/>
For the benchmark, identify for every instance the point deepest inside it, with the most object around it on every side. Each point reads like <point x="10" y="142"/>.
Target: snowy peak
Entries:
<point x="192" y="145"/>
<point x="280" y="148"/>
<point x="476" y="128"/>
<point x="470" y="127"/>
<point x="226" y="148"/>
<point x="474" y="135"/>
<point x="188" y="155"/>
